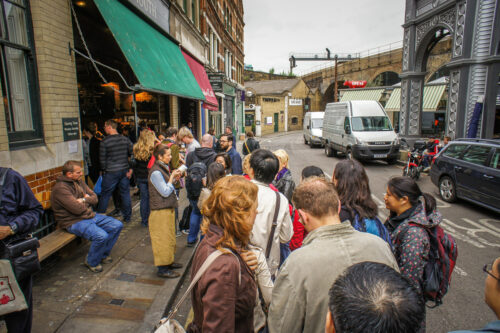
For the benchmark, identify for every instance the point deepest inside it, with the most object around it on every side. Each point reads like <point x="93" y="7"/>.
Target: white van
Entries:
<point x="312" y="128"/>
<point x="360" y="130"/>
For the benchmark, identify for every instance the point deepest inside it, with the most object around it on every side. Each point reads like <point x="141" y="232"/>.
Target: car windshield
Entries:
<point x="317" y="123"/>
<point x="366" y="124"/>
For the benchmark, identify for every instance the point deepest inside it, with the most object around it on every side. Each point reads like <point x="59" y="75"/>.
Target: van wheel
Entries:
<point x="311" y="144"/>
<point x="328" y="151"/>
<point x="305" y="141"/>
<point x="348" y="154"/>
<point x="447" y="189"/>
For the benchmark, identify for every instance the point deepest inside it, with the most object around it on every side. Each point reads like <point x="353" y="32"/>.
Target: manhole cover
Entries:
<point x="116" y="301"/>
<point x="126" y="277"/>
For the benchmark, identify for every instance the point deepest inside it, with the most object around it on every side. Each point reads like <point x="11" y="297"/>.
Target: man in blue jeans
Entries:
<point x="114" y="152"/>
<point x="72" y="202"/>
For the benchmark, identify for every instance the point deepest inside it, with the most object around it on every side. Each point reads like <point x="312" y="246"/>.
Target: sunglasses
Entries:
<point x="488" y="268"/>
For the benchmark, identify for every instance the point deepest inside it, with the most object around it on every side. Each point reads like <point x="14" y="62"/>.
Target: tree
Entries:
<point x="271" y="71"/>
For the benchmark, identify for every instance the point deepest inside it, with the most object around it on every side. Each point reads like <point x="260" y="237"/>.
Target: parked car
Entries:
<point x="469" y="169"/>
<point x="360" y="130"/>
<point x="313" y="128"/>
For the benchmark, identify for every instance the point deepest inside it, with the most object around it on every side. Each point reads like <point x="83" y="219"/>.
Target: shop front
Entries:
<point x="129" y="69"/>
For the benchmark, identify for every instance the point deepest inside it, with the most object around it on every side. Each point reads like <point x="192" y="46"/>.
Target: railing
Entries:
<point x="377" y="51"/>
<point x="46" y="225"/>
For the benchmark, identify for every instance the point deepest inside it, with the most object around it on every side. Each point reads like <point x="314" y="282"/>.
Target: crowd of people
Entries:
<point x="306" y="257"/>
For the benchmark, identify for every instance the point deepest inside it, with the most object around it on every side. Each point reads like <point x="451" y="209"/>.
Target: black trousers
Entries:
<point x="20" y="321"/>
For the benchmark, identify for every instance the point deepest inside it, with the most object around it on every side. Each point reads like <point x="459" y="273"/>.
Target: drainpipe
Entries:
<point x="258" y="118"/>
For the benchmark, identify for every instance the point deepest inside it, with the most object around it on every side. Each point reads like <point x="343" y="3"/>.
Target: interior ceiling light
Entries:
<point x="81" y="3"/>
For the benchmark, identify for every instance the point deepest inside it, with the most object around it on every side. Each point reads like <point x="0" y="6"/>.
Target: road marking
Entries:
<point x="460" y="271"/>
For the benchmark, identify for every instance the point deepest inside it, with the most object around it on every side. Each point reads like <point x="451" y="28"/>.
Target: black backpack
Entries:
<point x="194" y="180"/>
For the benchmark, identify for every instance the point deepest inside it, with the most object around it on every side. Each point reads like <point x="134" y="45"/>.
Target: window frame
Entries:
<point x="29" y="138"/>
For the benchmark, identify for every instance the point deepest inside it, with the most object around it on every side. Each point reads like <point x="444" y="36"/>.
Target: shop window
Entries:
<point x="19" y="75"/>
<point x="295" y="121"/>
<point x="249" y="119"/>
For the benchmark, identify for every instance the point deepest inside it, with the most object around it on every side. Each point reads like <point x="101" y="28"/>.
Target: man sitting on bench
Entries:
<point x="72" y="202"/>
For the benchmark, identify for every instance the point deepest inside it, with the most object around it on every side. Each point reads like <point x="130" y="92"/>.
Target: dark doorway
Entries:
<point x="188" y="112"/>
<point x="276" y="122"/>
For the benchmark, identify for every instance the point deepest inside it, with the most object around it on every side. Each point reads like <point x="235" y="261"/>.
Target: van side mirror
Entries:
<point x="347" y="129"/>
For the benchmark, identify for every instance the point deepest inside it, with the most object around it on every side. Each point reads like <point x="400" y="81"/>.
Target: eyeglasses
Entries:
<point x="223" y="141"/>
<point x="488" y="268"/>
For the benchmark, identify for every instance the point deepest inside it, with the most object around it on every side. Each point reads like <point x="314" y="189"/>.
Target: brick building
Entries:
<point x="65" y="64"/>
<point x="222" y="26"/>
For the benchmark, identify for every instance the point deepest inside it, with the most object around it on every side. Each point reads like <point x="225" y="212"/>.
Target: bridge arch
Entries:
<point x="384" y="78"/>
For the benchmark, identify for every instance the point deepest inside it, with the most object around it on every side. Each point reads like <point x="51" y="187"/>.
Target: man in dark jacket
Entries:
<point x="20" y="212"/>
<point x="250" y="144"/>
<point x="115" y="151"/>
<point x="72" y="202"/>
<point x="226" y="143"/>
<point x="206" y="155"/>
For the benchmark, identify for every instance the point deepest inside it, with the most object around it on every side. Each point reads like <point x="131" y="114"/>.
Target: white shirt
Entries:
<point x="263" y="223"/>
<point x="192" y="146"/>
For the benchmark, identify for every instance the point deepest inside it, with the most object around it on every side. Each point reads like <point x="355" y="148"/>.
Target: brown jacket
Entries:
<point x="156" y="200"/>
<point x="64" y="198"/>
<point x="220" y="302"/>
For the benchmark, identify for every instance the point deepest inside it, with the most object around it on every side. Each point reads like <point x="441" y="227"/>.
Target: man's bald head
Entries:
<point x="207" y="141"/>
<point x="317" y="197"/>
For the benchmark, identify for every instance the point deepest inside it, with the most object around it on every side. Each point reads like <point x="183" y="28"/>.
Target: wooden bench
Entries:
<point x="53" y="242"/>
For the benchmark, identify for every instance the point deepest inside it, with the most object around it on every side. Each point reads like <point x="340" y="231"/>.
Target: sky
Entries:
<point x="276" y="28"/>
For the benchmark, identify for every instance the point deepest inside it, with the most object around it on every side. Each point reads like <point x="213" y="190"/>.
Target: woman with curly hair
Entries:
<point x="225" y="160"/>
<point x="143" y="150"/>
<point x="224" y="298"/>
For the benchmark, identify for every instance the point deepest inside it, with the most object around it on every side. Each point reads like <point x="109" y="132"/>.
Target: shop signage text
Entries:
<point x="155" y="10"/>
<point x="71" y="130"/>
<point x="216" y="80"/>
<point x="295" y="102"/>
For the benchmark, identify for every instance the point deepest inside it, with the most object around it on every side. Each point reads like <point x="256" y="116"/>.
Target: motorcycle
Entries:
<point x="414" y="166"/>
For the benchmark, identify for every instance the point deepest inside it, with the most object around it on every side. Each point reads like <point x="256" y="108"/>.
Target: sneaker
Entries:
<point x="427" y="169"/>
<point x="185" y="232"/>
<point x="169" y="274"/>
<point x="107" y="260"/>
<point x="95" y="269"/>
<point x="178" y="234"/>
<point x="115" y="212"/>
<point x="191" y="244"/>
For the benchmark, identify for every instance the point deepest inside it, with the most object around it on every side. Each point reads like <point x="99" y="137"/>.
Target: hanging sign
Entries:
<point x="156" y="10"/>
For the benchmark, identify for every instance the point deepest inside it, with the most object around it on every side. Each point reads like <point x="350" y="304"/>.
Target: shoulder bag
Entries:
<point x="20" y="250"/>
<point x="170" y="325"/>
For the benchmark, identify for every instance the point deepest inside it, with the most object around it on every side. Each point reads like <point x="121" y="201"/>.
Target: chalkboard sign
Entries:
<point x="70" y="129"/>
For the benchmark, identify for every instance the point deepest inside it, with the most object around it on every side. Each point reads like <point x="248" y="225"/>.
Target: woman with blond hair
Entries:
<point x="143" y="150"/>
<point x="284" y="181"/>
<point x="224" y="298"/>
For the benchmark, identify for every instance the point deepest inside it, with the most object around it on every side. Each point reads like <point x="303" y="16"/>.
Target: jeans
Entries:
<point x="102" y="231"/>
<point x="142" y="183"/>
<point x="194" y="222"/>
<point x="284" y="252"/>
<point x="111" y="180"/>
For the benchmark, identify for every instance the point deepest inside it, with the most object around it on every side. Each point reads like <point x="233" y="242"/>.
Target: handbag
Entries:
<point x="20" y="250"/>
<point x="186" y="215"/>
<point x="169" y="325"/>
<point x="98" y="186"/>
<point x="11" y="297"/>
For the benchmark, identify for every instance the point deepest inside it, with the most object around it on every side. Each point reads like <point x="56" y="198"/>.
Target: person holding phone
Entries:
<point x="163" y="200"/>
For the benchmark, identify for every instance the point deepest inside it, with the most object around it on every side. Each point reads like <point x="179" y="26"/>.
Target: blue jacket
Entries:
<point x="235" y="161"/>
<point x="493" y="327"/>
<point x="19" y="205"/>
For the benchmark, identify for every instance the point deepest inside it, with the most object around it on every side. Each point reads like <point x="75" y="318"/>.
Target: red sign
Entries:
<point x="355" y="84"/>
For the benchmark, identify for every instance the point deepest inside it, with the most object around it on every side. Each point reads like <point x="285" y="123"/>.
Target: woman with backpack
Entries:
<point x="143" y="150"/>
<point x="357" y="205"/>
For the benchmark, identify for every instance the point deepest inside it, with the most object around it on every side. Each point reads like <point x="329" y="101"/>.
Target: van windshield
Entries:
<point x="367" y="124"/>
<point x="316" y="123"/>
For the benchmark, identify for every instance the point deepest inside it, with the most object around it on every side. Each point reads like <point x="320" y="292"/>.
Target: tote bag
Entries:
<point x="11" y="297"/>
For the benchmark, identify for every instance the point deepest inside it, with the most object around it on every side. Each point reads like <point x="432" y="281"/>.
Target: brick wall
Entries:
<point x="41" y="184"/>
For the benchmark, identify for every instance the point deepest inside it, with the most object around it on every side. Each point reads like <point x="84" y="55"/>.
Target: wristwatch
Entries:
<point x="13" y="228"/>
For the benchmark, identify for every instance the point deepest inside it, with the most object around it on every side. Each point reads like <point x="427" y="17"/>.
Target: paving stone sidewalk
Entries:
<point x="126" y="297"/>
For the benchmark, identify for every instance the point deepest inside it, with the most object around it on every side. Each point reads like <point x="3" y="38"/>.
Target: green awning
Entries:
<point x="394" y="102"/>
<point x="156" y="61"/>
<point x="362" y="95"/>
<point x="432" y="96"/>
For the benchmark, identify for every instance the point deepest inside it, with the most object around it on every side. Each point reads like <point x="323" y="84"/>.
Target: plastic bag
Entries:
<point x="97" y="186"/>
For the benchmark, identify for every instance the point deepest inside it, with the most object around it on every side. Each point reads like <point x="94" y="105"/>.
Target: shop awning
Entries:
<point x="202" y="78"/>
<point x="362" y="95"/>
<point x="394" y="102"/>
<point x="432" y="96"/>
<point x="156" y="61"/>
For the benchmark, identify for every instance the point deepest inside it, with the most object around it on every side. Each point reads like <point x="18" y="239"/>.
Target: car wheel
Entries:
<point x="328" y="151"/>
<point x="311" y="144"/>
<point x="348" y="154"/>
<point x="447" y="189"/>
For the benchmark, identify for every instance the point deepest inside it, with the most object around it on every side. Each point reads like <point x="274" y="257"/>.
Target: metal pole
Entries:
<point x="134" y="104"/>
<point x="335" y="78"/>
